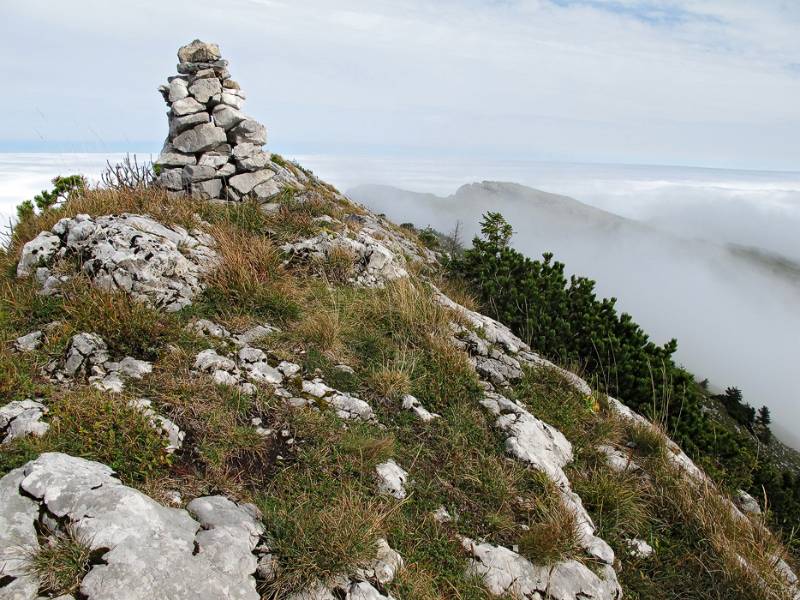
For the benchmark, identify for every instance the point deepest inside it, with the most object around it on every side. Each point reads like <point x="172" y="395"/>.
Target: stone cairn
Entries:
<point x="213" y="150"/>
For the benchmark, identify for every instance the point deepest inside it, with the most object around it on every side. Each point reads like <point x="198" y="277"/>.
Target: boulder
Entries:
<point x="213" y="159"/>
<point x="391" y="479"/>
<point x="203" y="89"/>
<point x="29" y="342"/>
<point x="178" y="125"/>
<point x="248" y="131"/>
<point x="172" y="179"/>
<point x="227" y="117"/>
<point x="245" y="182"/>
<point x="200" y="138"/>
<point x="193" y="173"/>
<point x="20" y="418"/>
<point x="148" y="550"/>
<point x="177" y="89"/>
<point x="230" y="98"/>
<point x="506" y="573"/>
<point x="135" y="254"/>
<point x="254" y="162"/>
<point x="39" y="251"/>
<point x="199" y="51"/>
<point x="172" y="158"/>
<point x="186" y="106"/>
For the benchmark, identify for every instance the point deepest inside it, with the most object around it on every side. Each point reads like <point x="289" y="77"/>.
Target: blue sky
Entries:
<point x="693" y="82"/>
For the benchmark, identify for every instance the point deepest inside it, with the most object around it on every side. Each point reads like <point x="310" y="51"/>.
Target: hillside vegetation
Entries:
<point x="422" y="384"/>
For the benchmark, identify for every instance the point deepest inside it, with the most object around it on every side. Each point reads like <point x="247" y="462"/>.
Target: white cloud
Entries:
<point x="579" y="80"/>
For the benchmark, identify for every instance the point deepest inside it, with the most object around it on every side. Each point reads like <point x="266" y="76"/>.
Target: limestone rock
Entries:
<point x="176" y="159"/>
<point x="29" y="342"/>
<point x="213" y="159"/>
<point x="227" y="117"/>
<point x="414" y="405"/>
<point x="374" y="264"/>
<point x="529" y="439"/>
<point x="135" y="254"/>
<point x="39" y="251"/>
<point x="254" y="162"/>
<point x="209" y="361"/>
<point x="85" y="351"/>
<point x="186" y="106"/>
<point x="200" y="138"/>
<point x="505" y="572"/>
<point x="177" y="90"/>
<point x="148" y="550"/>
<point x="254" y="334"/>
<point x="747" y="503"/>
<point x="172" y="432"/>
<point x="209" y="328"/>
<point x="172" y="179"/>
<point x="391" y="479"/>
<point x="266" y="190"/>
<point x="384" y="567"/>
<point x="232" y="99"/>
<point x="178" y="125"/>
<point x="255" y="364"/>
<point x="245" y="182"/>
<point x="248" y="131"/>
<point x="203" y="89"/>
<point x="639" y="548"/>
<point x="198" y="51"/>
<point x="194" y="173"/>
<point x="20" y="418"/>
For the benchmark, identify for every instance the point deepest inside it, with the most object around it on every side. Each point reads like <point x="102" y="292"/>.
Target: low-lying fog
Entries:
<point x="662" y="252"/>
<point x="734" y="311"/>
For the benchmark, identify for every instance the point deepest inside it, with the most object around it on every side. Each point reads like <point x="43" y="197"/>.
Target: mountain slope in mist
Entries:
<point x="734" y="317"/>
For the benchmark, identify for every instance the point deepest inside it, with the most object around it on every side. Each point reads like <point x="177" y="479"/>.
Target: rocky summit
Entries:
<point x="235" y="383"/>
<point x="213" y="150"/>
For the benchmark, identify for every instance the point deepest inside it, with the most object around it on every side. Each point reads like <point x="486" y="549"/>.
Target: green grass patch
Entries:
<point x="97" y="426"/>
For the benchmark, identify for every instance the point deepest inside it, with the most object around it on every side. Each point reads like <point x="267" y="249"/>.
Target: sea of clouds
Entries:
<point x="735" y="325"/>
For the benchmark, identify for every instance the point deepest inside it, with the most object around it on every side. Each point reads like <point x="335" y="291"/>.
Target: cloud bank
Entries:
<point x="704" y="82"/>
<point x="736" y="320"/>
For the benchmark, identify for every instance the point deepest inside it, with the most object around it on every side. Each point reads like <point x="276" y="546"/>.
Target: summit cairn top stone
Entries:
<point x="213" y="150"/>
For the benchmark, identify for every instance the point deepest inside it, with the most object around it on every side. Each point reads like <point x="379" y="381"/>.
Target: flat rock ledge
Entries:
<point x="160" y="265"/>
<point x="147" y="550"/>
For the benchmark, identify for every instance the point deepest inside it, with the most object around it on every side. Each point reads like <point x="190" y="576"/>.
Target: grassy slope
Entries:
<point x="317" y="494"/>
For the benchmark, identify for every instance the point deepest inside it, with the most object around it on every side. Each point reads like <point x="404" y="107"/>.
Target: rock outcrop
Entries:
<point x="132" y="253"/>
<point x="213" y="150"/>
<point x="147" y="550"/>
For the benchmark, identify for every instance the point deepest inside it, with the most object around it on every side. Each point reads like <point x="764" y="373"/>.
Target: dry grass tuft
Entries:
<point x="320" y="541"/>
<point x="388" y="383"/>
<point x="129" y="327"/>
<point x="617" y="501"/>
<point x="60" y="562"/>
<point x="739" y="551"/>
<point x="251" y="278"/>
<point x="322" y="329"/>
<point x="554" y="537"/>
<point x="648" y="439"/>
<point x="338" y="266"/>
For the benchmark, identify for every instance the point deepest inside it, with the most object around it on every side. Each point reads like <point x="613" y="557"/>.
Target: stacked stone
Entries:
<point x="213" y="150"/>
